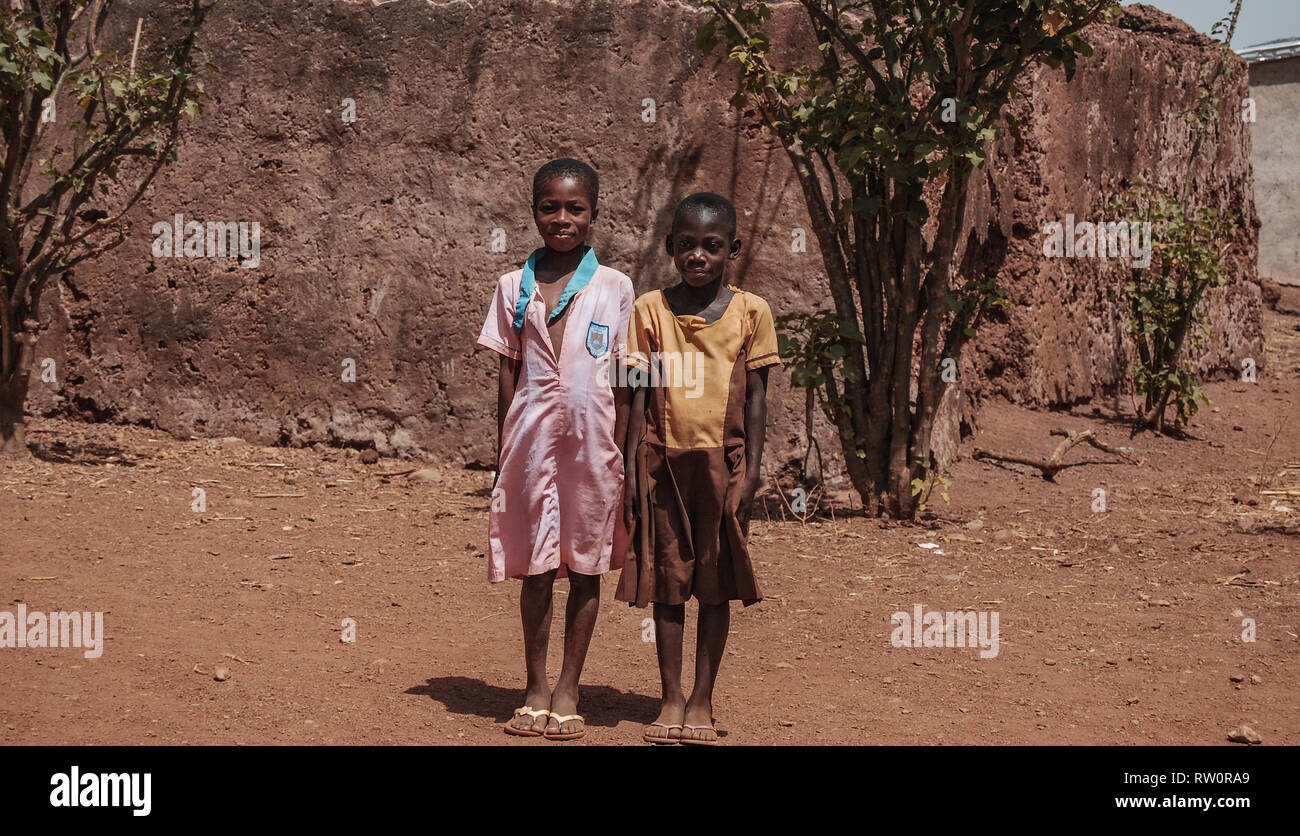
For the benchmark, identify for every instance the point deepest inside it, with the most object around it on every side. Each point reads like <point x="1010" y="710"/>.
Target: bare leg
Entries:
<point x="669" y="624"/>
<point x="711" y="640"/>
<point x="579" y="624"/>
<point x="535" y="610"/>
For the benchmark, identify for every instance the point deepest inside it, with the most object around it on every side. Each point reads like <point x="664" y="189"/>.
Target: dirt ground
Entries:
<point x="1115" y="626"/>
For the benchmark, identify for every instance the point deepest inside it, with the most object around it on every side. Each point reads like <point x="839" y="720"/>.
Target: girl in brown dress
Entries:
<point x="698" y="354"/>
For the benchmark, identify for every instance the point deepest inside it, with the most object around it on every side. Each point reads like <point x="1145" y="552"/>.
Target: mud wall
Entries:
<point x="377" y="234"/>
<point x="1062" y="340"/>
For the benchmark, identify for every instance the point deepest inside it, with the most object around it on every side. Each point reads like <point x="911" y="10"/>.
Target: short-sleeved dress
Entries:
<point x="558" y="501"/>
<point x="688" y="539"/>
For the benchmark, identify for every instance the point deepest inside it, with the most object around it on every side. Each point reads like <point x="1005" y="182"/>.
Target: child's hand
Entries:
<point x="746" y="506"/>
<point x="629" y="499"/>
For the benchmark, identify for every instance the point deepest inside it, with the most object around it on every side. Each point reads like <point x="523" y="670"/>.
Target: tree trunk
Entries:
<point x="14" y="374"/>
<point x="1158" y="400"/>
<point x="902" y="503"/>
<point x="859" y="475"/>
<point x="930" y="386"/>
<point x="13" y="432"/>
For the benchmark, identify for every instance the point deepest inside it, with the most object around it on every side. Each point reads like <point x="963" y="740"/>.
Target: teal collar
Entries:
<point x="528" y="284"/>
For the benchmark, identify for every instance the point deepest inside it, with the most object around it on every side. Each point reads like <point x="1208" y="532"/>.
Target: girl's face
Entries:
<point x="701" y="244"/>
<point x="564" y="213"/>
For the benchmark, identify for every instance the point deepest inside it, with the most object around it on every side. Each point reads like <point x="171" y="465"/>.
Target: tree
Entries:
<point x="1187" y="256"/>
<point x="67" y="183"/>
<point x="900" y="106"/>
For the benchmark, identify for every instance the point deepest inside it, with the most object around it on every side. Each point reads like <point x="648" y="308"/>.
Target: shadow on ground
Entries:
<point x="600" y="705"/>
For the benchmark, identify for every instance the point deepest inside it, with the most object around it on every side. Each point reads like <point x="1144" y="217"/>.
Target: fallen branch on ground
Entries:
<point x="1053" y="464"/>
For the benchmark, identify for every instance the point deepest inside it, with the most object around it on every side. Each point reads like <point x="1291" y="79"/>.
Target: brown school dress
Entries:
<point x="688" y="539"/>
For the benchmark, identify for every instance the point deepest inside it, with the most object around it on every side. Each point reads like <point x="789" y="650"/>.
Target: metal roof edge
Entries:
<point x="1271" y="51"/>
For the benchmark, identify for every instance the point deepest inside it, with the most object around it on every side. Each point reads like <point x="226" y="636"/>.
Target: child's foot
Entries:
<point x="697" y="726"/>
<point x="533" y="722"/>
<point x="667" y="727"/>
<point x="565" y="704"/>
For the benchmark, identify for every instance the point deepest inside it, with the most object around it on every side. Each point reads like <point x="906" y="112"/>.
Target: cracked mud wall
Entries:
<point x="376" y="235"/>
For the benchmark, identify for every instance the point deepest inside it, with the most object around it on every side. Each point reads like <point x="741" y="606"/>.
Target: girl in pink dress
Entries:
<point x="556" y="510"/>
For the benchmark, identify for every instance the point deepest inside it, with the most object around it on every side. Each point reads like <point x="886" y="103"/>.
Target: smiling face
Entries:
<point x="701" y="244"/>
<point x="564" y="213"/>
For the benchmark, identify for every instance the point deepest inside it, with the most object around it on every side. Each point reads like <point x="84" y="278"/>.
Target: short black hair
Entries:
<point x="707" y="202"/>
<point x="564" y="168"/>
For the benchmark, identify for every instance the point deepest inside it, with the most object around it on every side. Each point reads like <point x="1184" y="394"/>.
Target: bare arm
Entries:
<point x="506" y="384"/>
<point x="755" y="436"/>
<point x="622" y="408"/>
<point x="631" y="440"/>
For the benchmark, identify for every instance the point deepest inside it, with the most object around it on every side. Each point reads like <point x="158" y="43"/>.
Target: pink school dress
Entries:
<point x="558" y="501"/>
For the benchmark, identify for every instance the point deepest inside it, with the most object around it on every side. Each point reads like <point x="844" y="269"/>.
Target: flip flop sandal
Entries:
<point x="696" y="742"/>
<point x="662" y="741"/>
<point x="531" y="712"/>
<point x="561" y="719"/>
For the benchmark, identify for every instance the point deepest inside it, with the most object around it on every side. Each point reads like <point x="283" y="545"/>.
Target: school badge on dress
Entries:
<point x="597" y="339"/>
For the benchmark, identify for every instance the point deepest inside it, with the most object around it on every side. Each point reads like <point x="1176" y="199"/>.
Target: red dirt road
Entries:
<point x="1123" y="626"/>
